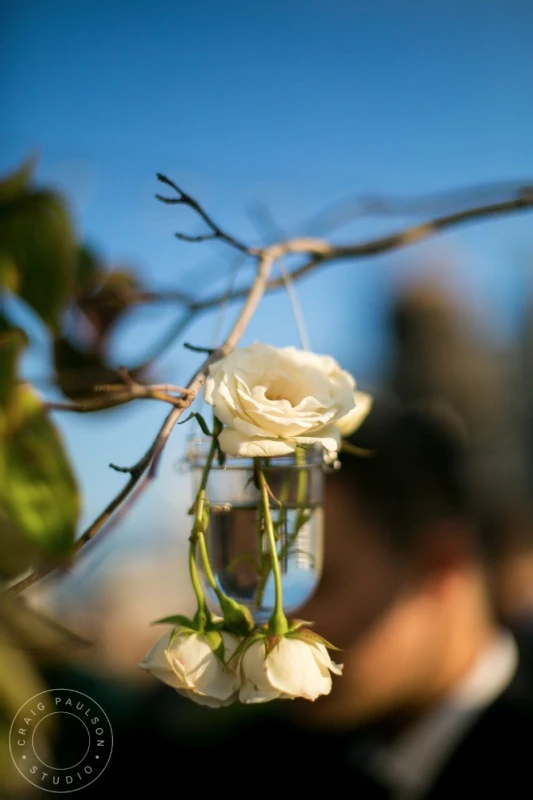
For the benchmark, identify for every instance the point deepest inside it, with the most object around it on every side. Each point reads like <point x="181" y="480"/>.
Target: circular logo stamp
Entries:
<point x="83" y="731"/>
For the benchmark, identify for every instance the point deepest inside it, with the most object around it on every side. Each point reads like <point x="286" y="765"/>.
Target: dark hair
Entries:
<point x="417" y="473"/>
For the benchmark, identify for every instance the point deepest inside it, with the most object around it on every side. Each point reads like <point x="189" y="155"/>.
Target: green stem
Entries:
<point x="208" y="464"/>
<point x="303" y="515"/>
<point x="301" y="489"/>
<point x="202" y="613"/>
<point x="199" y="525"/>
<point x="264" y="573"/>
<point x="197" y="538"/>
<point x="206" y="564"/>
<point x="278" y="622"/>
<point x="301" y="519"/>
<point x="263" y="569"/>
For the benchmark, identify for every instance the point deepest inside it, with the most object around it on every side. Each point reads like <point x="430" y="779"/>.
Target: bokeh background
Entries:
<point x="281" y="118"/>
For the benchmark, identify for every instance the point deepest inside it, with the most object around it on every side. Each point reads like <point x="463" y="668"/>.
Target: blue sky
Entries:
<point x="291" y="104"/>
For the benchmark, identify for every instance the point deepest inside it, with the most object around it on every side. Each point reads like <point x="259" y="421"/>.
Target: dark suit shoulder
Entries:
<point x="497" y="753"/>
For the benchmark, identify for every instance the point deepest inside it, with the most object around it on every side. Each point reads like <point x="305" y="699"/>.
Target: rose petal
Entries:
<point x="156" y="663"/>
<point x="292" y="668"/>
<point x="328" y="436"/>
<point x="255" y="685"/>
<point x="267" y="394"/>
<point x="237" y="444"/>
<point x="323" y="658"/>
<point x="351" y="421"/>
<point x="210" y="702"/>
<point x="188" y="664"/>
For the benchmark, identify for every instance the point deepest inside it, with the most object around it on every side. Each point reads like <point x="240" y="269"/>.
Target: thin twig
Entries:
<point x="216" y="232"/>
<point x="112" y="395"/>
<point x="161" y="296"/>
<point x="196" y="349"/>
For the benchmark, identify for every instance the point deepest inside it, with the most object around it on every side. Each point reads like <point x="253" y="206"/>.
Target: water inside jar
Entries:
<point x="239" y="554"/>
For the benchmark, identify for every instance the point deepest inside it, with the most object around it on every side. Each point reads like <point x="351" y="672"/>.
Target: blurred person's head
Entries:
<point x="403" y="591"/>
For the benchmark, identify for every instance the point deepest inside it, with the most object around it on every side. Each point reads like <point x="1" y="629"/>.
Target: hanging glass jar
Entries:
<point x="236" y="539"/>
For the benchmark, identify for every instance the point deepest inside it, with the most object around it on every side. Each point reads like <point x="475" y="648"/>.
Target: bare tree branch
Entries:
<point x="320" y="253"/>
<point x="348" y="209"/>
<point x="323" y="253"/>
<point x="521" y="199"/>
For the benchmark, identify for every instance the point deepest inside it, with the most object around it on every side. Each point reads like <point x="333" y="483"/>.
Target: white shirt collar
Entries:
<point x="413" y="762"/>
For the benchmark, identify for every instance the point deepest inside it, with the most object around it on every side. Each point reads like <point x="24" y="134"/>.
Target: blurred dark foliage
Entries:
<point x="99" y="301"/>
<point x="44" y="270"/>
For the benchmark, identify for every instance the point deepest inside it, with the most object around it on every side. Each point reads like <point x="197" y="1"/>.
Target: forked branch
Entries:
<point x="318" y="253"/>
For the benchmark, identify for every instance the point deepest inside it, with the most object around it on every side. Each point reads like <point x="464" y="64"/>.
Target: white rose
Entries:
<point x="293" y="668"/>
<point x="354" y="418"/>
<point x="190" y="666"/>
<point x="271" y="400"/>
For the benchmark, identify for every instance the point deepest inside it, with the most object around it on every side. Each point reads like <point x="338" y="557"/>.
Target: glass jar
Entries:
<point x="236" y="539"/>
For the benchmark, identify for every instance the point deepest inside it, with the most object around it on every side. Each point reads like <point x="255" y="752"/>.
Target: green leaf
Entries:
<point x="174" y="619"/>
<point x="296" y="624"/>
<point x="38" y="490"/>
<point x="9" y="277"/>
<point x="115" y="294"/>
<point x="201" y="422"/>
<point x="17" y="183"/>
<point x="16" y="552"/>
<point x="89" y="272"/>
<point x="79" y="371"/>
<point x="37" y="238"/>
<point x="12" y="341"/>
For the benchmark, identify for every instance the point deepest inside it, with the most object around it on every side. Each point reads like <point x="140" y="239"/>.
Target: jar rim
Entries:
<point x="198" y="446"/>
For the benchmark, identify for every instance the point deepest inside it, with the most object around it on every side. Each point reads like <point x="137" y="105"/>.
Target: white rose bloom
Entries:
<point x="273" y="399"/>
<point x="189" y="665"/>
<point x="294" y="668"/>
<point x="353" y="419"/>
